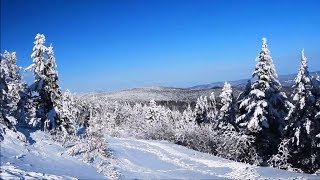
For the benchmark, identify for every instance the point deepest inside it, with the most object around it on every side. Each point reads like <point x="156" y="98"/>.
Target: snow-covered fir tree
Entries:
<point x="212" y="108"/>
<point x="12" y="90"/>
<point x="201" y="110"/>
<point x="265" y="106"/>
<point x="153" y="112"/>
<point x="188" y="114"/>
<point x="303" y="127"/>
<point x="263" y="110"/>
<point x="185" y="118"/>
<point x="69" y="110"/>
<point x="159" y="121"/>
<point x="227" y="111"/>
<point x="46" y="90"/>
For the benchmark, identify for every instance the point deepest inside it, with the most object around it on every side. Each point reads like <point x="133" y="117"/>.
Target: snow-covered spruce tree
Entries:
<point x="12" y="90"/>
<point x="69" y="110"/>
<point x="303" y="127"/>
<point x="183" y="123"/>
<point x="212" y="108"/>
<point x="153" y="113"/>
<point x="263" y="110"/>
<point x="122" y="113"/>
<point x="186" y="117"/>
<point x="188" y="114"/>
<point x="153" y="119"/>
<point x="46" y="90"/>
<point x="136" y="122"/>
<point x="226" y="118"/>
<point x="201" y="110"/>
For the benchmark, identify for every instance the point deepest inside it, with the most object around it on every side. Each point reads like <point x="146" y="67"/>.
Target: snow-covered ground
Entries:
<point x="135" y="159"/>
<point x="146" y="159"/>
<point x="42" y="159"/>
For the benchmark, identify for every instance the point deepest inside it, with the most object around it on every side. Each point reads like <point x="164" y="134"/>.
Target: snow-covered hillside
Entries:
<point x="147" y="159"/>
<point x="135" y="159"/>
<point x="41" y="159"/>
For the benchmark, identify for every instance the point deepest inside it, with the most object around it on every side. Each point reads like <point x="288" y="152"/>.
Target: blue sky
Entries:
<point x="118" y="44"/>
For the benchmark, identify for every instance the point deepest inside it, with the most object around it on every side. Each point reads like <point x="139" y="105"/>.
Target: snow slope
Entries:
<point x="135" y="159"/>
<point x="42" y="159"/>
<point x="146" y="159"/>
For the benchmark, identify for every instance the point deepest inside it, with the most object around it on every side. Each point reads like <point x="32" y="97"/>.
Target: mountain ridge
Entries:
<point x="176" y="94"/>
<point x="285" y="80"/>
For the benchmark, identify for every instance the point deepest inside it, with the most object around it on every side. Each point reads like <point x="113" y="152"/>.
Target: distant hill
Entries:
<point x="145" y="94"/>
<point x="285" y="80"/>
<point x="185" y="95"/>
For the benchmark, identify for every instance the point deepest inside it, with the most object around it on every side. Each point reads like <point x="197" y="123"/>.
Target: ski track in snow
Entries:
<point x="147" y="159"/>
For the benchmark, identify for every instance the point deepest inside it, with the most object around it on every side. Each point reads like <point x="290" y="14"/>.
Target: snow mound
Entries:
<point x="41" y="159"/>
<point x="11" y="172"/>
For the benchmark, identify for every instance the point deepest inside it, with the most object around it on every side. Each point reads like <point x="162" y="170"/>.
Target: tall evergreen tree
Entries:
<point x="263" y="110"/>
<point x="70" y="111"/>
<point x="227" y="110"/>
<point x="152" y="112"/>
<point x="201" y="110"/>
<point x="11" y="89"/>
<point x="188" y="115"/>
<point x="303" y="126"/>
<point x="155" y="113"/>
<point x="265" y="106"/>
<point x="47" y="93"/>
<point x="212" y="108"/>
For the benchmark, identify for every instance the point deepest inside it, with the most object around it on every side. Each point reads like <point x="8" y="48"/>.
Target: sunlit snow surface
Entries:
<point x="146" y="159"/>
<point x="135" y="159"/>
<point x="43" y="159"/>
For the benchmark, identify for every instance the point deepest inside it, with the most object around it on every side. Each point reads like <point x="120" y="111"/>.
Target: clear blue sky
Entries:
<point x="119" y="44"/>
